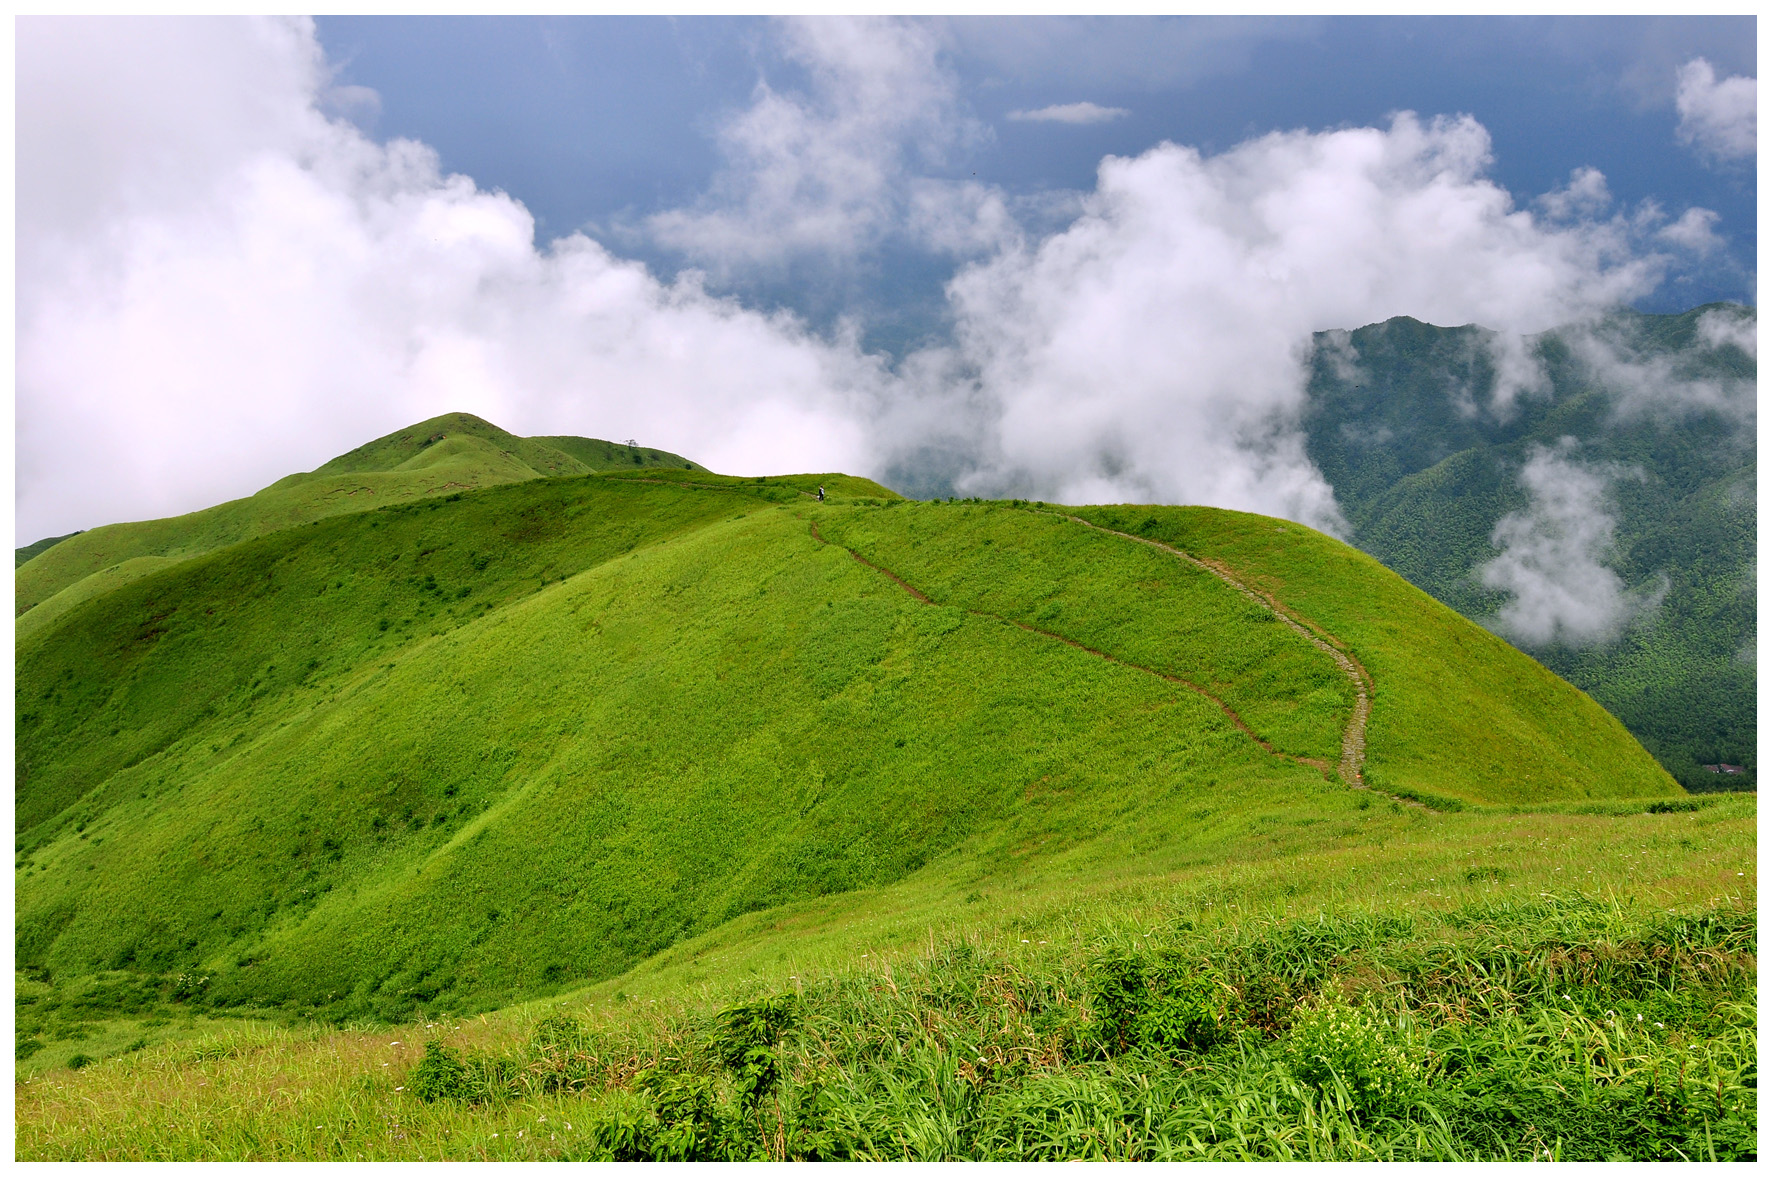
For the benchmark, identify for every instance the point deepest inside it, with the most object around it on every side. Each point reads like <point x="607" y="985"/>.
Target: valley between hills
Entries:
<point x="487" y="797"/>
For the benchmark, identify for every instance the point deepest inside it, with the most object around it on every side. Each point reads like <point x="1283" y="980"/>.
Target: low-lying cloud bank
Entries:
<point x="218" y="284"/>
<point x="1552" y="556"/>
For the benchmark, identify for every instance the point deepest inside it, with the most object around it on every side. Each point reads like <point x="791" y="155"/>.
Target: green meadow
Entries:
<point x="644" y="812"/>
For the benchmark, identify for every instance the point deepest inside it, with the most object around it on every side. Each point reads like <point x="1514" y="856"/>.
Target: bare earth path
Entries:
<point x="1353" y="736"/>
<point x="1353" y="739"/>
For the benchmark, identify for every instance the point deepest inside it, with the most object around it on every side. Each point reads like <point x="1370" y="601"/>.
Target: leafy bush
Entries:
<point x="681" y="1122"/>
<point x="747" y="1041"/>
<point x="1681" y="806"/>
<point x="1334" y="1046"/>
<point x="1163" y="1003"/>
<point x="440" y="1074"/>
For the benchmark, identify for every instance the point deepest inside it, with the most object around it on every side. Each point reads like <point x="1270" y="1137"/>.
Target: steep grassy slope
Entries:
<point x="493" y="743"/>
<point x="29" y="551"/>
<point x="1456" y="712"/>
<point x="598" y="455"/>
<point x="446" y="454"/>
<point x="1401" y="422"/>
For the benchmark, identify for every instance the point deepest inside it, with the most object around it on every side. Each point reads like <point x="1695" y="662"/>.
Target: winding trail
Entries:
<point x="1242" y="725"/>
<point x="1353" y="736"/>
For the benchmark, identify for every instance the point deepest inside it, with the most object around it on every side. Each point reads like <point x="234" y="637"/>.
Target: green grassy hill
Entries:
<point x="1424" y="474"/>
<point x="317" y="765"/>
<point x="454" y="452"/>
<point x="665" y="740"/>
<point x="30" y="551"/>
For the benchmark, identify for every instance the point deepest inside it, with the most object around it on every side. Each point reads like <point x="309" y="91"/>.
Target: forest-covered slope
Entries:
<point x="1632" y="451"/>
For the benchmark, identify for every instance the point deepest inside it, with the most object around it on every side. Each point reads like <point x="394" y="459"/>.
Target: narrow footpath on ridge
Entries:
<point x="1353" y="744"/>
<point x="1353" y="737"/>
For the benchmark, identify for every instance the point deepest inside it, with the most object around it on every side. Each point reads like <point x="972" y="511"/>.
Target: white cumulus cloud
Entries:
<point x="1717" y="118"/>
<point x="219" y="285"/>
<point x="221" y="280"/>
<point x="1694" y="232"/>
<point x="1075" y="113"/>
<point x="1552" y="557"/>
<point x="1154" y="350"/>
<point x="836" y="169"/>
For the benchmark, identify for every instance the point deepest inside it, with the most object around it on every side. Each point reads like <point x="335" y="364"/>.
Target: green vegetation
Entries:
<point x="1484" y="966"/>
<point x="1424" y="470"/>
<point x="1457" y="714"/>
<point x="863" y="828"/>
<point x="447" y="454"/>
<point x="29" y="551"/>
<point x="603" y="456"/>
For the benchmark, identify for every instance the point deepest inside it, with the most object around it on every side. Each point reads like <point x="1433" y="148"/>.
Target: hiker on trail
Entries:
<point x="821" y="494"/>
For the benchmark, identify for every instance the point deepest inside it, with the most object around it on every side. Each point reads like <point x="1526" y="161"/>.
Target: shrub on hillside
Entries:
<point x="440" y="1074"/>
<point x="747" y="1039"/>
<point x="1163" y="1003"/>
<point x="1342" y="1049"/>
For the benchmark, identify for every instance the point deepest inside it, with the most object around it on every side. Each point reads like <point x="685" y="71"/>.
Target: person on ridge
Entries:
<point x="821" y="494"/>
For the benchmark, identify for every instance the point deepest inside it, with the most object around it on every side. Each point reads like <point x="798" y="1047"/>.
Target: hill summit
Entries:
<point x="447" y="454"/>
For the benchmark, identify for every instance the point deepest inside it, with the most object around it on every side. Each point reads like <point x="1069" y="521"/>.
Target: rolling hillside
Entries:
<point x="318" y="765"/>
<point x="966" y="778"/>
<point x="1401" y="421"/>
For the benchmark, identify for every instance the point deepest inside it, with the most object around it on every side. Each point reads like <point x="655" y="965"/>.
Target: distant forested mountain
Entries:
<point x="1587" y="493"/>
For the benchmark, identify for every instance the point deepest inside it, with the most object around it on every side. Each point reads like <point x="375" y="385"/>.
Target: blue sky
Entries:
<point x="1071" y="259"/>
<point x="589" y="120"/>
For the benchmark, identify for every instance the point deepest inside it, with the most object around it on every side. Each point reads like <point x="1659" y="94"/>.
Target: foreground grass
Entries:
<point x="1484" y="1007"/>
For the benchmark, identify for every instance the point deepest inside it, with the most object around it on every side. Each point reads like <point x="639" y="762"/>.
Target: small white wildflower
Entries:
<point x="399" y="1089"/>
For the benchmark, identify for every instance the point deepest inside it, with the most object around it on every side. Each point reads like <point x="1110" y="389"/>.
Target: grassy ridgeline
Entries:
<point x="449" y="754"/>
<point x="444" y="455"/>
<point x="696" y="729"/>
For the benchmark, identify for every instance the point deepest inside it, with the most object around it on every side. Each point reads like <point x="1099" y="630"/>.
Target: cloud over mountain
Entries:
<point x="219" y="281"/>
<point x="1154" y="349"/>
<point x="1552" y="557"/>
